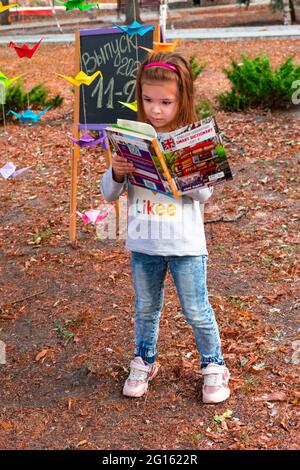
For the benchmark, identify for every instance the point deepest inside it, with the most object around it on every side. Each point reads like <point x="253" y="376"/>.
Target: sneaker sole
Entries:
<point x="211" y="401"/>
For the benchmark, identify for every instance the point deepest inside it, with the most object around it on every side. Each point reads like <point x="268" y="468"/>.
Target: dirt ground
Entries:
<point x="66" y="313"/>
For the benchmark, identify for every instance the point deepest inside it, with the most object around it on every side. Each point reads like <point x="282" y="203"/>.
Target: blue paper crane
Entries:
<point x="135" y="28"/>
<point x="29" y="115"/>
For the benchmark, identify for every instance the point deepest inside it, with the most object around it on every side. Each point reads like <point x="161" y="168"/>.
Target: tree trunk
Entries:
<point x="132" y="11"/>
<point x="287" y="15"/>
<point x="119" y="8"/>
<point x="4" y="16"/>
<point x="293" y="4"/>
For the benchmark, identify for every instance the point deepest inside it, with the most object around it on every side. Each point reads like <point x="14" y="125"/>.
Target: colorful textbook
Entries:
<point x="189" y="158"/>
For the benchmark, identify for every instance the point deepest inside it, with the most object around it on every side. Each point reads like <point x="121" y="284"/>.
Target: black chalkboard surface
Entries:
<point x="118" y="57"/>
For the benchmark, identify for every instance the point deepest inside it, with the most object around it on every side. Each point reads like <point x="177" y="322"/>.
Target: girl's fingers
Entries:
<point x="118" y="158"/>
<point x="121" y="165"/>
<point x="123" y="169"/>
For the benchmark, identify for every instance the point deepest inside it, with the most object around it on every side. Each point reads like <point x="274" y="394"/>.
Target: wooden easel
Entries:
<point x="76" y="149"/>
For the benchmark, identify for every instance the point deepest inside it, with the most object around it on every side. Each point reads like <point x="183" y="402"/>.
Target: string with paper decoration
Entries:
<point x="100" y="104"/>
<point x="9" y="171"/>
<point x="83" y="79"/>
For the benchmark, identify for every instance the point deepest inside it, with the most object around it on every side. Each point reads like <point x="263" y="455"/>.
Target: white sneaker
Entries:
<point x="215" y="388"/>
<point x="140" y="374"/>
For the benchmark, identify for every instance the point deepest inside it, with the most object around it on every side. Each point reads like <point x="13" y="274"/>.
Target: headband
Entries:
<point x="161" y="64"/>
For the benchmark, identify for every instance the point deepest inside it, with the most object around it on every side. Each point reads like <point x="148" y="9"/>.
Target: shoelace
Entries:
<point x="136" y="374"/>
<point x="213" y="380"/>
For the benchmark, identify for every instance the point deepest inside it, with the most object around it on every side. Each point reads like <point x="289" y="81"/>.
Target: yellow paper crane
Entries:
<point x="132" y="105"/>
<point x="7" y="7"/>
<point x="162" y="46"/>
<point x="81" y="78"/>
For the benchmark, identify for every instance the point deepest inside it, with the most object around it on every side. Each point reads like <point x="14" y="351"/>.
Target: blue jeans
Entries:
<point x="189" y="274"/>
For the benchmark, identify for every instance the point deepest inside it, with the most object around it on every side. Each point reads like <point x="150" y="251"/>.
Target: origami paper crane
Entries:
<point x="24" y="50"/>
<point x="135" y="28"/>
<point x="94" y="216"/>
<point x="86" y="141"/>
<point x="8" y="81"/>
<point x="81" y="78"/>
<point x="104" y="140"/>
<point x="29" y="115"/>
<point x="162" y="46"/>
<point x="72" y="4"/>
<point x="132" y="105"/>
<point x="7" y="7"/>
<point x="9" y="170"/>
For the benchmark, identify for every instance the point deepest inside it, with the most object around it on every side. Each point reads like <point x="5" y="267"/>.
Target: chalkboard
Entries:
<point x="118" y="57"/>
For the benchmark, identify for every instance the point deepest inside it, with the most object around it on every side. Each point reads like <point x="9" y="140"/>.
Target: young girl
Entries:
<point x="169" y="238"/>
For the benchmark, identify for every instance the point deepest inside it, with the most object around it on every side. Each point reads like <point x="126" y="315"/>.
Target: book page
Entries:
<point x="136" y="126"/>
<point x="195" y="156"/>
<point x="141" y="152"/>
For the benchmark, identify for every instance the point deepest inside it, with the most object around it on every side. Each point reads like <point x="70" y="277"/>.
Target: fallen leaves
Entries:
<point x="38" y="237"/>
<point x="120" y="408"/>
<point x="275" y="396"/>
<point x="236" y="446"/>
<point x="259" y="367"/>
<point x="252" y="267"/>
<point x="81" y="443"/>
<point x="221" y="418"/>
<point x="5" y="425"/>
<point x="41" y="354"/>
<point x="111" y="317"/>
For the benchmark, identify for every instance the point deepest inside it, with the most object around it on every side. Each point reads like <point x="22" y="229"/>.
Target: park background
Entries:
<point x="66" y="311"/>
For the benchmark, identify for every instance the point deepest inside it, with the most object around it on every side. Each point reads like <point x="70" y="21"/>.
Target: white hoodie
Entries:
<point x="159" y="224"/>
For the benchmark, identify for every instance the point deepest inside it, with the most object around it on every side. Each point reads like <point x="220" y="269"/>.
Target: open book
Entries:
<point x="189" y="158"/>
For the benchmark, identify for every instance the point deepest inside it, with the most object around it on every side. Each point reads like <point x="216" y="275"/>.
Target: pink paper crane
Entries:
<point x="24" y="50"/>
<point x="94" y="216"/>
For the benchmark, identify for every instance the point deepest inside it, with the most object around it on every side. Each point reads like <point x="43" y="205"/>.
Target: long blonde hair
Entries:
<point x="186" y="108"/>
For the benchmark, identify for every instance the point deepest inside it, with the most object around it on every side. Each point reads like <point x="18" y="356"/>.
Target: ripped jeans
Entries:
<point x="189" y="275"/>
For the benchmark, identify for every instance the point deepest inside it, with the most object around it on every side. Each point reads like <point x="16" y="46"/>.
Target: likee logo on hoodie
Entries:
<point x="156" y="207"/>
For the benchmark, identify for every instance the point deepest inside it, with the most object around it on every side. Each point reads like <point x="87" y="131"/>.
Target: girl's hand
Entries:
<point x="121" y="167"/>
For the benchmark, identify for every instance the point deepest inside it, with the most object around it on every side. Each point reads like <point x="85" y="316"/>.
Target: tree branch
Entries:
<point x="223" y="219"/>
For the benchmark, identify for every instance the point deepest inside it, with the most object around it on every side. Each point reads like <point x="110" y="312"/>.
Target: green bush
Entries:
<point x="195" y="67"/>
<point x="19" y="100"/>
<point x="221" y="152"/>
<point x="204" y="109"/>
<point x="255" y="84"/>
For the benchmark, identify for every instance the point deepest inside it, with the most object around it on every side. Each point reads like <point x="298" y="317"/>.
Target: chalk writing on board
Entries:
<point x="118" y="57"/>
<point x="111" y="50"/>
<point x="123" y="66"/>
<point x="128" y="91"/>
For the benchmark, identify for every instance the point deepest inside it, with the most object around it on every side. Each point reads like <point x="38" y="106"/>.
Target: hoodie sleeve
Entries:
<point x="201" y="195"/>
<point x="110" y="188"/>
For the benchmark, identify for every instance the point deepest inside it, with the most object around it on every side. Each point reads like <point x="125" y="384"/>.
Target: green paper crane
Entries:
<point x="72" y="4"/>
<point x="4" y="80"/>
